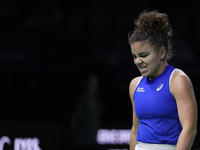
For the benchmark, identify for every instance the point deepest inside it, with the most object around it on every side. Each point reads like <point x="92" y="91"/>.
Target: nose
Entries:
<point x="137" y="60"/>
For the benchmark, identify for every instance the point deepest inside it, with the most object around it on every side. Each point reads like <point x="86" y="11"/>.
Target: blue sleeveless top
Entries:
<point x="156" y="109"/>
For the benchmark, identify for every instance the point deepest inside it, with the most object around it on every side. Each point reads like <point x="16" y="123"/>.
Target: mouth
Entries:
<point x="142" y="69"/>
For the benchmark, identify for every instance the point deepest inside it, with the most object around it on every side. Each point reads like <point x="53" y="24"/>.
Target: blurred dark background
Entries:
<point x="48" y="48"/>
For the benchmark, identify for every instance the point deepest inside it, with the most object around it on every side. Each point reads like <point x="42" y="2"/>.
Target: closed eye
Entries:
<point x="143" y="55"/>
<point x="134" y="56"/>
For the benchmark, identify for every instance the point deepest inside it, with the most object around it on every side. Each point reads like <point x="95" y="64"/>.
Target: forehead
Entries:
<point x="138" y="47"/>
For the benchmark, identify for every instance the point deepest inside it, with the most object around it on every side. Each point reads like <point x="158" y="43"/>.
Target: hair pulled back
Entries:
<point x="153" y="27"/>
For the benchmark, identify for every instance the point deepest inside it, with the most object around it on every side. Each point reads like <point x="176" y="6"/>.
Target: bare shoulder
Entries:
<point x="135" y="81"/>
<point x="179" y="72"/>
<point x="180" y="82"/>
<point x="133" y="85"/>
<point x="180" y="77"/>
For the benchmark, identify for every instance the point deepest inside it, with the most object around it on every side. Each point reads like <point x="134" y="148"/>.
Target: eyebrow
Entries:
<point x="142" y="53"/>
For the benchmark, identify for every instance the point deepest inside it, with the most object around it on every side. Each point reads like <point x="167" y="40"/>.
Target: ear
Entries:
<point x="163" y="52"/>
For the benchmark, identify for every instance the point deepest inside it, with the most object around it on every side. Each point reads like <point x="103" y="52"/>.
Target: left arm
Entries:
<point x="182" y="90"/>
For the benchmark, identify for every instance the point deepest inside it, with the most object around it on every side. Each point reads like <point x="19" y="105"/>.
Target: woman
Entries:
<point x="164" y="104"/>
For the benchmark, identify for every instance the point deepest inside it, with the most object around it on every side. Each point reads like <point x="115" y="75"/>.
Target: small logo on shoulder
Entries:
<point x="139" y="89"/>
<point x="160" y="87"/>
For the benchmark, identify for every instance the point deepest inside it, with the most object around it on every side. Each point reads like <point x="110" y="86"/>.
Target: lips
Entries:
<point x="142" y="69"/>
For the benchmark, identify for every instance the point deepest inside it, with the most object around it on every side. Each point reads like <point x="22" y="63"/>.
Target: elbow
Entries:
<point x="192" y="131"/>
<point x="134" y="130"/>
<point x="195" y="132"/>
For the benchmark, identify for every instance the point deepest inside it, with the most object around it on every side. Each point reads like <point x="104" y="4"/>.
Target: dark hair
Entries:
<point x="153" y="27"/>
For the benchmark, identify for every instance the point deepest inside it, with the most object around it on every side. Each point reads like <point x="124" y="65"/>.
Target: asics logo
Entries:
<point x="160" y="87"/>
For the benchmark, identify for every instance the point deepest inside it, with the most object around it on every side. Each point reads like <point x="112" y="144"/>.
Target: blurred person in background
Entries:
<point x="86" y="116"/>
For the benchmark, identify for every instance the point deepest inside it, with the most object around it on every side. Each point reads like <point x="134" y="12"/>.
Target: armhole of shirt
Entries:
<point x="171" y="77"/>
<point x="137" y="86"/>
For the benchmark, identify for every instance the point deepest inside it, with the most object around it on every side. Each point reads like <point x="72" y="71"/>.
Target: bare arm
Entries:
<point x="134" y="129"/>
<point x="182" y="90"/>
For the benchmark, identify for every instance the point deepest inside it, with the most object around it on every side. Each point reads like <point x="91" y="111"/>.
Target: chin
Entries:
<point x="145" y="75"/>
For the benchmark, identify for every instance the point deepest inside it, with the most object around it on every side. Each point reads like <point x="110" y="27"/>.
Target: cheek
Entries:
<point x="149" y="60"/>
<point x="152" y="61"/>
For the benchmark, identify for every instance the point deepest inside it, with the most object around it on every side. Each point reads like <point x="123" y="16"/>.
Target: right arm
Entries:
<point x="135" y="125"/>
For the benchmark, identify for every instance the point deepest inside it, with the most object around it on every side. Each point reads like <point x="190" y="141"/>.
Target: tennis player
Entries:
<point x="163" y="99"/>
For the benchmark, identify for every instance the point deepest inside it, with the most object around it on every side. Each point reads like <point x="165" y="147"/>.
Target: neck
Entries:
<point x="159" y="71"/>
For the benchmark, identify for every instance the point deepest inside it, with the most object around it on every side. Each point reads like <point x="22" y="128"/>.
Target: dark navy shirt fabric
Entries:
<point x="157" y="110"/>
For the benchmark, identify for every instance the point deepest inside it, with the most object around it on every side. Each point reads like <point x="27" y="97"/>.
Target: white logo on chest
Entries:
<point x="160" y="87"/>
<point x="139" y="89"/>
